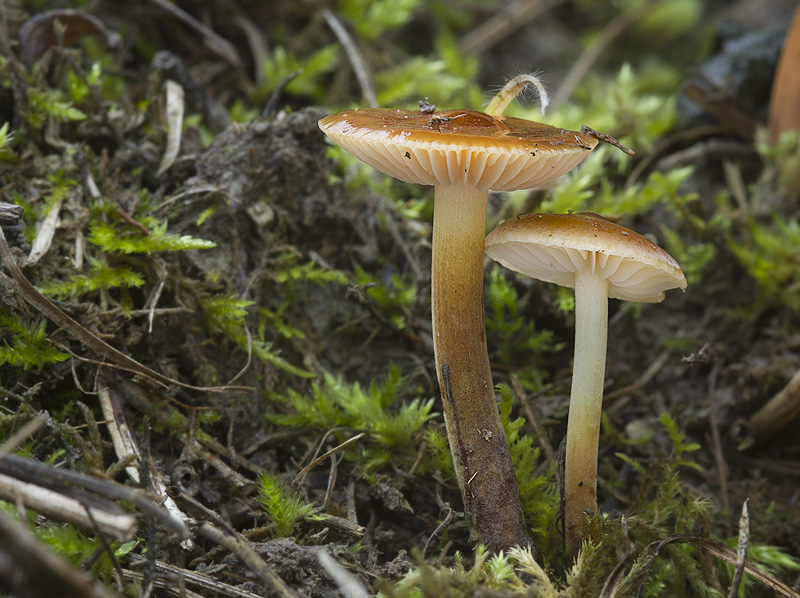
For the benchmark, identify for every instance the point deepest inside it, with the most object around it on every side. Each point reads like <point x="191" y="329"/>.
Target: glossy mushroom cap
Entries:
<point x="556" y="247"/>
<point x="458" y="147"/>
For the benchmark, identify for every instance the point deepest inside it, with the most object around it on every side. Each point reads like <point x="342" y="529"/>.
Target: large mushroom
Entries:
<point x="600" y="260"/>
<point x="463" y="154"/>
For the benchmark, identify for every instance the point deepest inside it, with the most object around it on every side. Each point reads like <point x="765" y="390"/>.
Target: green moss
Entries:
<point x="168" y="420"/>
<point x="371" y="19"/>
<point x="51" y="103"/>
<point x="666" y="509"/>
<point x="392" y="297"/>
<point x="418" y="77"/>
<point x="27" y="346"/>
<point x="78" y="548"/>
<point x="333" y="403"/>
<point x="439" y="457"/>
<point x="6" y="144"/>
<point x="288" y="270"/>
<point x="539" y="495"/>
<point x="119" y="238"/>
<point x="693" y="258"/>
<point x="769" y="255"/>
<point x="771" y="559"/>
<point x="225" y="314"/>
<point x="285" y="507"/>
<point x="283" y="62"/>
<point x="101" y="276"/>
<point x="515" y="340"/>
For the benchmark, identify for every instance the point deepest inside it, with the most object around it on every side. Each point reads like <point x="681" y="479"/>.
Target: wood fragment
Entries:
<point x="45" y="231"/>
<point x="121" y="435"/>
<point x="10" y="214"/>
<point x="168" y="586"/>
<point x="728" y="111"/>
<point x="439" y="529"/>
<point x="716" y="439"/>
<point x="725" y="553"/>
<point x="741" y="551"/>
<point x="174" y="116"/>
<point x="299" y="477"/>
<point x="88" y="488"/>
<point x="160" y="488"/>
<point x="348" y="583"/>
<point x="38" y="34"/>
<point x="58" y="507"/>
<point x="612" y="30"/>
<point x="503" y="23"/>
<point x="776" y="412"/>
<point x="228" y="473"/>
<point x="169" y="573"/>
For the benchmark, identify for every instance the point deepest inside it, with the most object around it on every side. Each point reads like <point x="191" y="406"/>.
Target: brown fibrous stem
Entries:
<point x="481" y="457"/>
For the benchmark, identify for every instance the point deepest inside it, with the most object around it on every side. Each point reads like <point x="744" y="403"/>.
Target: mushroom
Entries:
<point x="463" y="154"/>
<point x="600" y="260"/>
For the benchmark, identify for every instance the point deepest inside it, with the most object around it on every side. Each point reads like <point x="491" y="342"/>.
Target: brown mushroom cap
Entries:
<point x="458" y="147"/>
<point x="555" y="247"/>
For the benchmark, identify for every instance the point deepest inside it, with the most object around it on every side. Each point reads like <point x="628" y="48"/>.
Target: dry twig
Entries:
<point x="353" y="55"/>
<point x="716" y="440"/>
<point x="503" y="23"/>
<point x="607" y="35"/>
<point x="87" y="488"/>
<point x="59" y="507"/>
<point x="213" y="40"/>
<point x="170" y="573"/>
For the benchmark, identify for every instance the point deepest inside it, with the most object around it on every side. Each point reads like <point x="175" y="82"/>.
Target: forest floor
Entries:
<point x="233" y="317"/>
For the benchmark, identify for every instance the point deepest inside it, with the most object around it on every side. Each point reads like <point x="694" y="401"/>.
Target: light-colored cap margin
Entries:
<point x="555" y="247"/>
<point x="459" y="147"/>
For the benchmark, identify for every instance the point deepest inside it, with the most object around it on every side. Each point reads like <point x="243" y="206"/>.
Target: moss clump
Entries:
<point x="394" y="428"/>
<point x="285" y="507"/>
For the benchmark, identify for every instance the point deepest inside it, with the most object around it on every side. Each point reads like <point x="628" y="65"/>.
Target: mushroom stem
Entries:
<point x="585" y="405"/>
<point x="481" y="457"/>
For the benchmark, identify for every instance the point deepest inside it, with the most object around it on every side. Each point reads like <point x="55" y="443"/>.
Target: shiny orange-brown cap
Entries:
<point x="459" y="147"/>
<point x="556" y="247"/>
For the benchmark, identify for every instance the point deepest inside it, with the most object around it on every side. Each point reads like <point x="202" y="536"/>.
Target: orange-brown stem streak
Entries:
<point x="480" y="452"/>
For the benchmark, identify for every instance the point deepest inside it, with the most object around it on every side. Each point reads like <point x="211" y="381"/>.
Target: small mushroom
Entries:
<point x="463" y="154"/>
<point x="600" y="260"/>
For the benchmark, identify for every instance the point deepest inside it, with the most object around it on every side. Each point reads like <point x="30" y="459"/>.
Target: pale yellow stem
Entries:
<point x="585" y="406"/>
